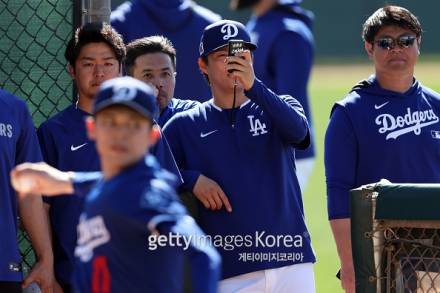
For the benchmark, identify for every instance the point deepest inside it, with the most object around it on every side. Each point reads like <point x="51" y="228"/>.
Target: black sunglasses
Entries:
<point x="390" y="43"/>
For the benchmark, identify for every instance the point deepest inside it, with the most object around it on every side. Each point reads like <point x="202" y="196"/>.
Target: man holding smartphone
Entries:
<point x="235" y="153"/>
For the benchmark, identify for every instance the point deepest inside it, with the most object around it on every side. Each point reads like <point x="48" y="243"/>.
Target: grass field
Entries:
<point x="330" y="83"/>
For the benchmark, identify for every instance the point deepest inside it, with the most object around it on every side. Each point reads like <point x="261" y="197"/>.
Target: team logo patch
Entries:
<point x="201" y="49"/>
<point x="91" y="234"/>
<point x="435" y="134"/>
<point x="229" y="30"/>
<point x="257" y="127"/>
<point x="14" y="267"/>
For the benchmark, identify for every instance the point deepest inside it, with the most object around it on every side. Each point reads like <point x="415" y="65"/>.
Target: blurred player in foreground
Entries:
<point x="130" y="206"/>
<point x="386" y="127"/>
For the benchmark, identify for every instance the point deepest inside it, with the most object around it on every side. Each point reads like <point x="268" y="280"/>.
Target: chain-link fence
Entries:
<point x="33" y="37"/>
<point x="410" y="257"/>
<point x="396" y="238"/>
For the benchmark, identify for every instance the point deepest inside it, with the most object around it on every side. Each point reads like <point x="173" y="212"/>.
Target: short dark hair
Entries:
<point x="388" y="16"/>
<point x="149" y="45"/>
<point x="95" y="32"/>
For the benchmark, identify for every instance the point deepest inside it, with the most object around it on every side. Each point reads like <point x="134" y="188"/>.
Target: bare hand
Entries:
<point x="210" y="194"/>
<point x="242" y="69"/>
<point x="42" y="274"/>
<point x="40" y="178"/>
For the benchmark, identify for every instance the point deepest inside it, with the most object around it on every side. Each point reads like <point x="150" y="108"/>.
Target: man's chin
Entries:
<point x="162" y="102"/>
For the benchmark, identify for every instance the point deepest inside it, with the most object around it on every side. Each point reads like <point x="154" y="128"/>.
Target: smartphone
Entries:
<point x="234" y="47"/>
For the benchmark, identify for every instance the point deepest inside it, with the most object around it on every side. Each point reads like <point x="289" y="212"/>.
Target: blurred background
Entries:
<point x="338" y="24"/>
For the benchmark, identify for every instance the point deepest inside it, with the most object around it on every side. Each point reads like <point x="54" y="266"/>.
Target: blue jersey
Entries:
<point x="376" y="133"/>
<point x="117" y="236"/>
<point x="18" y="144"/>
<point x="181" y="21"/>
<point x="252" y="161"/>
<point x="65" y="145"/>
<point x="175" y="106"/>
<point x="284" y="57"/>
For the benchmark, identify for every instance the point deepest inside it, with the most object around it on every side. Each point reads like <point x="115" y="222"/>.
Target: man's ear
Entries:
<point x="369" y="48"/>
<point x="202" y="66"/>
<point x="90" y="126"/>
<point x="71" y="71"/>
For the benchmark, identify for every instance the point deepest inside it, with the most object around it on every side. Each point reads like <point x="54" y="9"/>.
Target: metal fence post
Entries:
<point x="96" y="10"/>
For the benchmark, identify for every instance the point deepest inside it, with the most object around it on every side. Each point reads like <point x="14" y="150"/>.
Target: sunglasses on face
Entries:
<point x="390" y="43"/>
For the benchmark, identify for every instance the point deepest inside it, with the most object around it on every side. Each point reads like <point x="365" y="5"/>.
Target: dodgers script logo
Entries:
<point x="257" y="127"/>
<point x="230" y="30"/>
<point x="91" y="234"/>
<point x="396" y="126"/>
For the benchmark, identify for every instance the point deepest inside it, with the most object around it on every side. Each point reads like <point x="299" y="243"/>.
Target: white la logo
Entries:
<point x="124" y="94"/>
<point x="256" y="126"/>
<point x="230" y="30"/>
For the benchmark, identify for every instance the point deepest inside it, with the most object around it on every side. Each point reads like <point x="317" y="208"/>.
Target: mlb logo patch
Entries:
<point x="14" y="267"/>
<point x="435" y="134"/>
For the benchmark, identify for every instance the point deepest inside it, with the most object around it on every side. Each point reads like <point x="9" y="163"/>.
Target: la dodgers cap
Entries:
<point x="129" y="92"/>
<point x="219" y="33"/>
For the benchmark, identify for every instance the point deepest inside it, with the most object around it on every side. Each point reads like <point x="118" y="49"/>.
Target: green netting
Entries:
<point x="33" y="36"/>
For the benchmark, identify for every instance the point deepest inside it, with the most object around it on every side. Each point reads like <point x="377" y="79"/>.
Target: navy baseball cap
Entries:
<point x="219" y="33"/>
<point x="129" y="92"/>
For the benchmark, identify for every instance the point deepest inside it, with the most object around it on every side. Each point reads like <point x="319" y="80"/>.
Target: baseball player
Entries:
<point x="181" y="21"/>
<point x="94" y="55"/>
<point x="235" y="154"/>
<point x="283" y="32"/>
<point x="386" y="127"/>
<point x="18" y="144"/>
<point x="153" y="60"/>
<point x="132" y="205"/>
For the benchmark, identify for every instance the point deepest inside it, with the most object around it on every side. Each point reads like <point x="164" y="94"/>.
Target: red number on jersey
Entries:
<point x="100" y="275"/>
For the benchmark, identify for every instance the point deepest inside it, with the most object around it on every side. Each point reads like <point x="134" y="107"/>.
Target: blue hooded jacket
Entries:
<point x="181" y="21"/>
<point x="284" y="57"/>
<point x="376" y="133"/>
